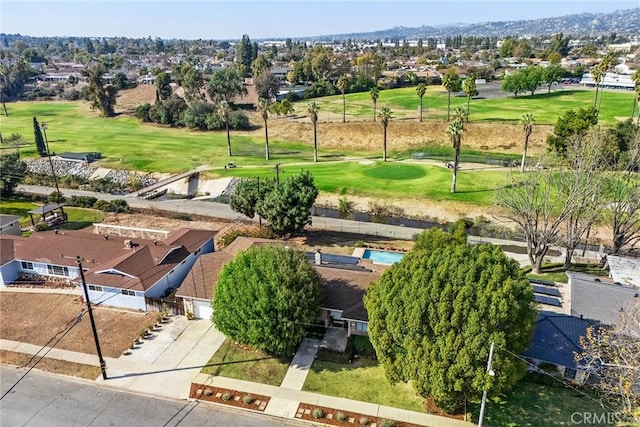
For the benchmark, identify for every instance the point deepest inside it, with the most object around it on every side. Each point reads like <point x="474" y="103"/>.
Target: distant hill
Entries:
<point x="583" y="24"/>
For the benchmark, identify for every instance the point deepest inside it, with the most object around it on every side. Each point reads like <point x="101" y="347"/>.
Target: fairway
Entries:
<point x="387" y="180"/>
<point x="546" y="107"/>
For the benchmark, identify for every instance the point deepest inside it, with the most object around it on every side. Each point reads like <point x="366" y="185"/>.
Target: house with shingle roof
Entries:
<point x="342" y="289"/>
<point x="119" y="272"/>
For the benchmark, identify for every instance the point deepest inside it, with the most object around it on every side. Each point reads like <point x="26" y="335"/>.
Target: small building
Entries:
<point x="48" y="215"/>
<point x="9" y="224"/>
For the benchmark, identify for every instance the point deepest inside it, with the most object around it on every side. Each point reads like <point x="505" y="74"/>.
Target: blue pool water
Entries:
<point x="382" y="257"/>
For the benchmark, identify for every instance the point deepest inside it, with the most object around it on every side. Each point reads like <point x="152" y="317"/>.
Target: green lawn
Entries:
<point x="546" y="107"/>
<point x="235" y="361"/>
<point x="77" y="217"/>
<point x="362" y="380"/>
<point x="557" y="273"/>
<point x="534" y="405"/>
<point x="127" y="144"/>
<point x="389" y="179"/>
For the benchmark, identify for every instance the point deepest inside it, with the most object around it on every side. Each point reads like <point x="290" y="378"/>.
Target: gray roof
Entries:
<point x="625" y="270"/>
<point x="556" y="337"/>
<point x="599" y="299"/>
<point x="8" y="219"/>
<point x="49" y="207"/>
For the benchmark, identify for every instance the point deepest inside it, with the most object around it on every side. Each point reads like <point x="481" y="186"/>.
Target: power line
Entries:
<point x="560" y="380"/>
<point x="77" y="320"/>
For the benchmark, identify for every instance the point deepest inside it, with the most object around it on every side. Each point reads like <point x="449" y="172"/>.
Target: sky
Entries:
<point x="228" y="20"/>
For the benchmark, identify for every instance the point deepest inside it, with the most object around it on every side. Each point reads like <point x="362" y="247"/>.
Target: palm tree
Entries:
<point x="223" y="111"/>
<point x="527" y="122"/>
<point x="312" y="111"/>
<point x="455" y="131"/>
<point x="451" y="82"/>
<point x="636" y="79"/>
<point x="263" y="107"/>
<point x="385" y="116"/>
<point x="342" y="86"/>
<point x="374" y="92"/>
<point x="421" y="89"/>
<point x="470" y="89"/>
<point x="597" y="75"/>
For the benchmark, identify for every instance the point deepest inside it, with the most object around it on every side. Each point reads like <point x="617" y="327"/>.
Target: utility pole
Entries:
<point x="103" y="365"/>
<point x="484" y="393"/>
<point x="43" y="126"/>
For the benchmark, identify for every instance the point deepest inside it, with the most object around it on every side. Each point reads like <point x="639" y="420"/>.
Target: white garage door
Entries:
<point x="202" y="309"/>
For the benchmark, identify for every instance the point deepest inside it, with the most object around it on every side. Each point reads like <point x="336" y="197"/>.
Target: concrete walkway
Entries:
<point x="300" y="365"/>
<point x="284" y="402"/>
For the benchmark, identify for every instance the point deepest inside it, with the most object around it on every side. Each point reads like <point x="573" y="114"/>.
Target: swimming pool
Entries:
<point x="382" y="257"/>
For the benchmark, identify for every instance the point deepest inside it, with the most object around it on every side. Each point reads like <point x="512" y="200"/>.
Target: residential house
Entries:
<point x="119" y="272"/>
<point x="9" y="224"/>
<point x="343" y="284"/>
<point x="556" y="340"/>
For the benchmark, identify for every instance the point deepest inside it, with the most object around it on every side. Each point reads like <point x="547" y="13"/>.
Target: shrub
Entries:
<point x="55" y="197"/>
<point x="181" y="216"/>
<point x="262" y="233"/>
<point x="364" y="421"/>
<point x="247" y="399"/>
<point x="142" y="112"/>
<point x="345" y="205"/>
<point x="102" y="205"/>
<point x="363" y="347"/>
<point x="318" y="413"/>
<point x="341" y="416"/>
<point x="208" y="392"/>
<point x="387" y="423"/>
<point x="226" y="396"/>
<point x="82" y="201"/>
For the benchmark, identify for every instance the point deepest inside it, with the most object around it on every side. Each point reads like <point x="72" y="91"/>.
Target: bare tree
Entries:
<point x="623" y="193"/>
<point x="584" y="178"/>
<point x="612" y="356"/>
<point x="538" y="203"/>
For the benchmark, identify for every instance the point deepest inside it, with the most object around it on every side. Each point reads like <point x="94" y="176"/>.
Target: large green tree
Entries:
<point x="286" y="206"/>
<point x="451" y="82"/>
<point x="570" y="124"/>
<point x="265" y="297"/>
<point x="552" y="74"/>
<point x="225" y="85"/>
<point x="163" y="86"/>
<point x="433" y="316"/>
<point x="100" y="95"/>
<point x="12" y="171"/>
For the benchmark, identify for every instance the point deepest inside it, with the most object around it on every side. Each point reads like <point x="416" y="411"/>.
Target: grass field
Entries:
<point x="546" y="107"/>
<point x="387" y="180"/>
<point x="362" y="380"/>
<point x="235" y="361"/>
<point x="535" y="405"/>
<point x="78" y="218"/>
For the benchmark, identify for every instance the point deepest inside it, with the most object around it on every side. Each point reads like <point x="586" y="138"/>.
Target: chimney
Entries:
<point x="318" y="257"/>
<point x="106" y="237"/>
<point x="155" y="243"/>
<point x="128" y="244"/>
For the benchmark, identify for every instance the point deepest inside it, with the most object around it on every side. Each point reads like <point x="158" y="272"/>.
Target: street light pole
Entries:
<point x="103" y="365"/>
<point x="43" y="126"/>
<point x="484" y="393"/>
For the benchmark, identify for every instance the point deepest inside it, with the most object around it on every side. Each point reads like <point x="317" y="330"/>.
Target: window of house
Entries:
<point x="27" y="265"/>
<point x="95" y="288"/>
<point x="56" y="270"/>
<point x="362" y="327"/>
<point x="570" y="373"/>
<point x="128" y="292"/>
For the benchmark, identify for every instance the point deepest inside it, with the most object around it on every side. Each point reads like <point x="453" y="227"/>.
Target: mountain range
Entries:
<point x="582" y="24"/>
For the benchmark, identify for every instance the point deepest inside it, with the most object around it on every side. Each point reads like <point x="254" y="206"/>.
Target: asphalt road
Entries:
<point x="54" y="401"/>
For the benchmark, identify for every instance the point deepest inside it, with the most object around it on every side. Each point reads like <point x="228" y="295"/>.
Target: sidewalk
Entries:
<point x="284" y="402"/>
<point x="300" y="365"/>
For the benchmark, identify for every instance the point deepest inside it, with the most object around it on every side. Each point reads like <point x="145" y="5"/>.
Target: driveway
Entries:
<point x="165" y="364"/>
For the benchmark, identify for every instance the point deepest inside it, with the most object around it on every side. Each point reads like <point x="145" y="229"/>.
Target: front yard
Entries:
<point x="362" y="380"/>
<point x="36" y="318"/>
<point x="243" y="363"/>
